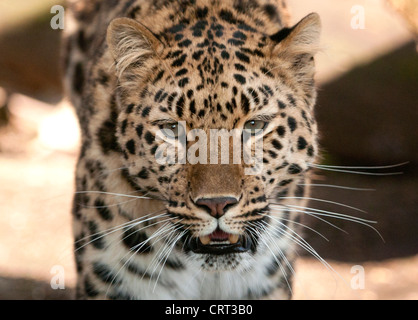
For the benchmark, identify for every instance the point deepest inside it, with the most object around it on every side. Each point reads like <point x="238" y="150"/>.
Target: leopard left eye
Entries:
<point x="172" y="130"/>
<point x="255" y="127"/>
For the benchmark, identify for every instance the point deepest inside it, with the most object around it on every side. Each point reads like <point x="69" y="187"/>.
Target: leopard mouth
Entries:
<point x="220" y="242"/>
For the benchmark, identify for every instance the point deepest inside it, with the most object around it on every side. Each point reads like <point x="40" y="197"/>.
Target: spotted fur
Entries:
<point x="215" y="65"/>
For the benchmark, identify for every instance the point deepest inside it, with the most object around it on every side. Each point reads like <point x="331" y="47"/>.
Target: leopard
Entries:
<point x="142" y="75"/>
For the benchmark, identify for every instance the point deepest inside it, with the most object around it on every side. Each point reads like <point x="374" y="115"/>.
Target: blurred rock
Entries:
<point x="30" y="59"/>
<point x="4" y="110"/>
<point x="391" y="205"/>
<point x="29" y="289"/>
<point x="369" y="116"/>
<point x="408" y="9"/>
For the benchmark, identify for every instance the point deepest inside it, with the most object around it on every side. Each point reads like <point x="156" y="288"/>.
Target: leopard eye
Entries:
<point x="172" y="130"/>
<point x="255" y="127"/>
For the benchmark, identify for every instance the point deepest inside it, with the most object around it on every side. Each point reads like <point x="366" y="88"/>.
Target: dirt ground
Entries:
<point x="39" y="150"/>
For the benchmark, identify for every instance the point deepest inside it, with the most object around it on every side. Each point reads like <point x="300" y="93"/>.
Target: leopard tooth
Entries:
<point x="204" y="240"/>
<point x="233" y="238"/>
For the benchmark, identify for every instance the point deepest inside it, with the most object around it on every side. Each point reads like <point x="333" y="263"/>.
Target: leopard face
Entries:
<point x="217" y="71"/>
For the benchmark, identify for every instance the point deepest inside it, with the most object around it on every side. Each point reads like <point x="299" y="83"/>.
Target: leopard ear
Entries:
<point x="296" y="47"/>
<point x="303" y="38"/>
<point x="300" y="41"/>
<point x="131" y="44"/>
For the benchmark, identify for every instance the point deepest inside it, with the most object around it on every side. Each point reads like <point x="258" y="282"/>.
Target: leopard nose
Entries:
<point x="216" y="206"/>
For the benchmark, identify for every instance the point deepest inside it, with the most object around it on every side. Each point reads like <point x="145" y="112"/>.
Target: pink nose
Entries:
<point x="216" y="206"/>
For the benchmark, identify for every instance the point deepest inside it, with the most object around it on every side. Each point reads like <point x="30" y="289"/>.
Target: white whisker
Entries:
<point x="314" y="216"/>
<point x="336" y="187"/>
<point x="135" y="249"/>
<point x="267" y="214"/>
<point x="132" y="223"/>
<point x="336" y="215"/>
<point x="167" y="254"/>
<point x="294" y="236"/>
<point x="272" y="239"/>
<point x="356" y="172"/>
<point x="109" y="205"/>
<point x="118" y="195"/>
<point x="361" y="167"/>
<point x="326" y="201"/>
<point x="157" y="256"/>
<point x="146" y="227"/>
<point x="273" y="254"/>
<point x="169" y="232"/>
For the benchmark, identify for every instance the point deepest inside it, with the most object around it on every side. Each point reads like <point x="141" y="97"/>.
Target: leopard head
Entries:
<point x="218" y="73"/>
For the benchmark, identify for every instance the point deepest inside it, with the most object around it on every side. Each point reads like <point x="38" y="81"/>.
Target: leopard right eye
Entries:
<point x="255" y="127"/>
<point x="172" y="130"/>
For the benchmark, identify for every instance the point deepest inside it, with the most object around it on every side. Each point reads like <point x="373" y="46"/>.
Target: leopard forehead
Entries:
<point x="223" y="83"/>
<point x="214" y="65"/>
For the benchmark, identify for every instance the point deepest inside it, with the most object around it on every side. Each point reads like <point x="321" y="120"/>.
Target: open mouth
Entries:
<point x="220" y="242"/>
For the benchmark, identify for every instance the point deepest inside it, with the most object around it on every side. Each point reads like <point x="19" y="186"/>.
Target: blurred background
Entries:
<point x="367" y="112"/>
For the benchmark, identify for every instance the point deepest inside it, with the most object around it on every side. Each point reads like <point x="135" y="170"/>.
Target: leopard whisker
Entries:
<point x="335" y="186"/>
<point x="338" y="169"/>
<point x="156" y="259"/>
<point x="109" y="205"/>
<point x="140" y="245"/>
<point x="326" y="201"/>
<point x="330" y="212"/>
<point x="267" y="214"/>
<point x="314" y="216"/>
<point x="363" y="167"/>
<point x="113" y="242"/>
<point x="271" y="238"/>
<point x="134" y="250"/>
<point x="273" y="254"/>
<point x="298" y="239"/>
<point x="132" y="224"/>
<point x="169" y="233"/>
<point x="166" y="253"/>
<point x="282" y="230"/>
<point x="145" y="227"/>
<point x="324" y="213"/>
<point x="118" y="195"/>
<point x="294" y="236"/>
<point x="252" y="236"/>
